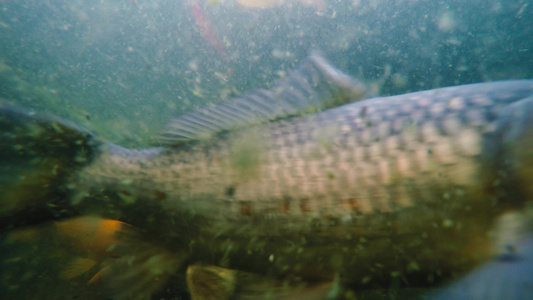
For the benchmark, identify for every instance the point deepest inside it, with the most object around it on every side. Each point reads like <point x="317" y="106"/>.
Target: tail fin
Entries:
<point x="38" y="153"/>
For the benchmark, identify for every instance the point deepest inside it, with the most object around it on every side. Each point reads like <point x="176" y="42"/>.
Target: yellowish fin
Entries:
<point x="211" y="282"/>
<point x="97" y="276"/>
<point x="135" y="269"/>
<point x="77" y="267"/>
<point x="217" y="283"/>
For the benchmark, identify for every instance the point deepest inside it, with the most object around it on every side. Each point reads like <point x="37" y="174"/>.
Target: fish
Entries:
<point x="314" y="186"/>
<point x="207" y="30"/>
<point x="86" y="238"/>
<point x="318" y="5"/>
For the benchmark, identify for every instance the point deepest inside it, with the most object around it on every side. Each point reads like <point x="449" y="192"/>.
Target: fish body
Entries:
<point x="426" y="172"/>
<point x="405" y="189"/>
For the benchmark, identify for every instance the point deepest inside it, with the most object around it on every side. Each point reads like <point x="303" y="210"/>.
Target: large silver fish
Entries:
<point x="282" y="188"/>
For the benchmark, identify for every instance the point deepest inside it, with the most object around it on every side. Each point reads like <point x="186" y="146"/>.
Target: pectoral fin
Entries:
<point x="77" y="267"/>
<point x="135" y="269"/>
<point x="212" y="282"/>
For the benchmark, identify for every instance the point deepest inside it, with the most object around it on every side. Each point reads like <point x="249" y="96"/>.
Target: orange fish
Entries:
<point x="90" y="238"/>
<point x="113" y="251"/>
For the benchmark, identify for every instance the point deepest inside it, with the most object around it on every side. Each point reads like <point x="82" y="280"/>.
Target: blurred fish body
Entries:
<point x="284" y="183"/>
<point x="318" y="5"/>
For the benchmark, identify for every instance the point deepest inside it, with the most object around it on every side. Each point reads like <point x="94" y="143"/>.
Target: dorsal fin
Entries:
<point x="315" y="85"/>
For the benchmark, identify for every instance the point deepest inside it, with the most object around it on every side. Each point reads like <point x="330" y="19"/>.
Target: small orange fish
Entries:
<point x="88" y="237"/>
<point x="113" y="251"/>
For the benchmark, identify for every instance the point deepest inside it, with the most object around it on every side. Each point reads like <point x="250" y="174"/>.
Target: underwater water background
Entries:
<point x="123" y="68"/>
